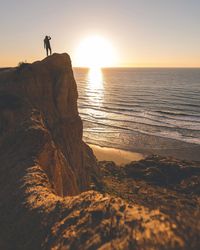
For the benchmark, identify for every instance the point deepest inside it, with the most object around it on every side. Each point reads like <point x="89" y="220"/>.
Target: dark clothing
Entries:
<point x="47" y="45"/>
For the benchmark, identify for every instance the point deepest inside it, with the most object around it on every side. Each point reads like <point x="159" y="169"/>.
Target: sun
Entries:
<point x="95" y="52"/>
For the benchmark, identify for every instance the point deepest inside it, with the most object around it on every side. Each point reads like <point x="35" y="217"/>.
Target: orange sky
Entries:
<point x="143" y="33"/>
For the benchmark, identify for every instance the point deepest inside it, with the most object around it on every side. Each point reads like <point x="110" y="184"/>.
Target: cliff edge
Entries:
<point x="41" y="98"/>
<point x="47" y="172"/>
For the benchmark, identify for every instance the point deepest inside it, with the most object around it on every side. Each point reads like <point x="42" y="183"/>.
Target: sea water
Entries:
<point x="140" y="108"/>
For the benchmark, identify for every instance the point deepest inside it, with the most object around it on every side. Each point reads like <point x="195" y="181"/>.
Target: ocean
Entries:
<point x="149" y="110"/>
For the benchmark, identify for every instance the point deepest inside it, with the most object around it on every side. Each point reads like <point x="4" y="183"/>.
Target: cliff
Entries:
<point x="44" y="96"/>
<point x="47" y="172"/>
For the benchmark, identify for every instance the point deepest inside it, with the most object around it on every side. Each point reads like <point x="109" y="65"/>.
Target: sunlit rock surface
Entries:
<point x="169" y="187"/>
<point x="49" y="88"/>
<point x="47" y="171"/>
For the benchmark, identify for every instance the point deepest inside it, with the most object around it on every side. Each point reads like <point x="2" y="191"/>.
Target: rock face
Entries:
<point x="46" y="171"/>
<point x="45" y="94"/>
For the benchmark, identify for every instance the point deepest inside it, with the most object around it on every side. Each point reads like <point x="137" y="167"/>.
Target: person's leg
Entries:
<point x="47" y="51"/>
<point x="50" y="50"/>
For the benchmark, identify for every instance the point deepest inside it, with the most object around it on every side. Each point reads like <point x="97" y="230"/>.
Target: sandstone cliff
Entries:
<point x="48" y="88"/>
<point x="46" y="171"/>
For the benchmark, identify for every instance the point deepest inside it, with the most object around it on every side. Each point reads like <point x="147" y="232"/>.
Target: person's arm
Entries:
<point x="49" y="38"/>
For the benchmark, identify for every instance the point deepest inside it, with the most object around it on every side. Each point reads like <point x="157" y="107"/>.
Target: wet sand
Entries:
<point x="145" y="145"/>
<point x="119" y="156"/>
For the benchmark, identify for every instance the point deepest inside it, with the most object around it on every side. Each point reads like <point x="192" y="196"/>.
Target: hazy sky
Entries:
<point x="143" y="32"/>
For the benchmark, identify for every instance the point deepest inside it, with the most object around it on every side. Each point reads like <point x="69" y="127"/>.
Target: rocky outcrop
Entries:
<point x="49" y="88"/>
<point x="46" y="171"/>
<point x="170" y="186"/>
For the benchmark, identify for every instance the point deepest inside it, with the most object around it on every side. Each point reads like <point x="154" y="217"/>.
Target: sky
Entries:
<point x="143" y="33"/>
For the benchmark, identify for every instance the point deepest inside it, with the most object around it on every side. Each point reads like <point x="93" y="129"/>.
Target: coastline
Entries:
<point x="119" y="156"/>
<point x="153" y="145"/>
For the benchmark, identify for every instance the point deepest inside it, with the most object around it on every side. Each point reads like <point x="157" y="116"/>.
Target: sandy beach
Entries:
<point x="119" y="156"/>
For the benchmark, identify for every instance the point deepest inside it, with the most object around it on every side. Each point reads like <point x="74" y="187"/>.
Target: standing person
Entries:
<point x="47" y="45"/>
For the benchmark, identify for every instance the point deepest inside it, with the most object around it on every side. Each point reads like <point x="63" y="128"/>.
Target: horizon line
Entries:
<point x="124" y="67"/>
<point x="142" y="67"/>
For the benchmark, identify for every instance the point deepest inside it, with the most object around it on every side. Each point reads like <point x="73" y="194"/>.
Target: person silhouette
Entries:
<point x="47" y="45"/>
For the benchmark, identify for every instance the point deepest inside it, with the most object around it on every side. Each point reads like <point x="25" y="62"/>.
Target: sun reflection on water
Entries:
<point x="95" y="78"/>
<point x="95" y="88"/>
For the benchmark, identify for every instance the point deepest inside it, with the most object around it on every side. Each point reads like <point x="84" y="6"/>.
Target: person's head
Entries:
<point x="46" y="37"/>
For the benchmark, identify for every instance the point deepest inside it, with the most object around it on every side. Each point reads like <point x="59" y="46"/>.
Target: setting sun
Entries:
<point x="95" y="52"/>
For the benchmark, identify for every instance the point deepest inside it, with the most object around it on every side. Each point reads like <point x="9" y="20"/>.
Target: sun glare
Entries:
<point x="95" y="52"/>
<point x="95" y="87"/>
<point x="95" y="78"/>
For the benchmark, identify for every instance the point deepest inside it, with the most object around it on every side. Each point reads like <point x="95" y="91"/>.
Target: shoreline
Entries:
<point x="155" y="145"/>
<point x="119" y="156"/>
